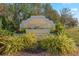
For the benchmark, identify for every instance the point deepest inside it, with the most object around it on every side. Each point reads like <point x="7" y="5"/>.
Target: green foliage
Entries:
<point x="29" y="40"/>
<point x="11" y="45"/>
<point x="74" y="34"/>
<point x="62" y="45"/>
<point x="5" y="32"/>
<point x="52" y="30"/>
<point x="22" y="30"/>
<point x="58" y="45"/>
<point x="13" y="14"/>
<point x="43" y="43"/>
<point x="59" y="29"/>
<point x="14" y="44"/>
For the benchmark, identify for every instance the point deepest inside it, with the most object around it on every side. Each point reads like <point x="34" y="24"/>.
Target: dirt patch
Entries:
<point x="33" y="53"/>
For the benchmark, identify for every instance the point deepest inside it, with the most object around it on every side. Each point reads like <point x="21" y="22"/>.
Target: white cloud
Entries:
<point x="74" y="9"/>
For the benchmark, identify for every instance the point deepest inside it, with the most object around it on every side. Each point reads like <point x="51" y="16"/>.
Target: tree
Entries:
<point x="15" y="13"/>
<point x="36" y="9"/>
<point x="12" y="14"/>
<point x="2" y="15"/>
<point x="51" y="13"/>
<point x="66" y="18"/>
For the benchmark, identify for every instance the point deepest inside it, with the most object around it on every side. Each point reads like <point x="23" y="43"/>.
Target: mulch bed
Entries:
<point x="37" y="52"/>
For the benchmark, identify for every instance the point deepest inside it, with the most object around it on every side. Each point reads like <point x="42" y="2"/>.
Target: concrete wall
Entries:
<point x="38" y="31"/>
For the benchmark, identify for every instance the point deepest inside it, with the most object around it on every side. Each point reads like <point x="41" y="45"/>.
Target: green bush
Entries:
<point x="43" y="43"/>
<point x="12" y="45"/>
<point x="62" y="45"/>
<point x="59" y="29"/>
<point x="5" y="32"/>
<point x="52" y="30"/>
<point x="15" y="44"/>
<point x="58" y="45"/>
<point x="22" y="30"/>
<point x="29" y="40"/>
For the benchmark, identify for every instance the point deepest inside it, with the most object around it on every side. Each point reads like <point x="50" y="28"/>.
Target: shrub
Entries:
<point x="12" y="45"/>
<point x="22" y="30"/>
<point x="52" y="30"/>
<point x="29" y="40"/>
<point x="59" y="29"/>
<point x="58" y="45"/>
<point x="5" y="32"/>
<point x="15" y="44"/>
<point x="62" y="45"/>
<point x="43" y="43"/>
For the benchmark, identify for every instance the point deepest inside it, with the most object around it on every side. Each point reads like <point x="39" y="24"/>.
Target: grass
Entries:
<point x="74" y="34"/>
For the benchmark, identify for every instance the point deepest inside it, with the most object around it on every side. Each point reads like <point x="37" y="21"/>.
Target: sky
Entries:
<point x="73" y="6"/>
